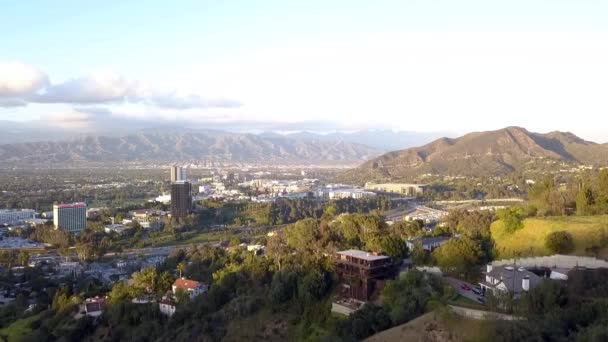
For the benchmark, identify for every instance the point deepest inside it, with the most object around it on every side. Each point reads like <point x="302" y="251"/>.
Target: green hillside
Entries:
<point x="587" y="231"/>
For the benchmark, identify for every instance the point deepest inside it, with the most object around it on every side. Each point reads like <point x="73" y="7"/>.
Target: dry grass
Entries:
<point x="587" y="231"/>
<point x="437" y="326"/>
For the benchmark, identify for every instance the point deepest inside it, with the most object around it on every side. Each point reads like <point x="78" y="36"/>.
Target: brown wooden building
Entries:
<point x="363" y="273"/>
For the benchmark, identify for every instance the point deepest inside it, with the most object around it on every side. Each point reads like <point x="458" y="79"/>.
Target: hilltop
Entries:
<point x="482" y="153"/>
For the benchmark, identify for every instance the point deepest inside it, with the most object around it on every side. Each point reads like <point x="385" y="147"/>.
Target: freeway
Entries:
<point x="166" y="250"/>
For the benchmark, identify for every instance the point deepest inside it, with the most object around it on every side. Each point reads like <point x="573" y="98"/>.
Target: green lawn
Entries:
<point x="587" y="231"/>
<point x="19" y="328"/>
<point x="438" y="325"/>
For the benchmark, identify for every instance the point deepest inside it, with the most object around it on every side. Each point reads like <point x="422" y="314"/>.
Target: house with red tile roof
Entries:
<point x="193" y="287"/>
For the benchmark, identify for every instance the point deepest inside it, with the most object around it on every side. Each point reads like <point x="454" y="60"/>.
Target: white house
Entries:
<point x="193" y="287"/>
<point x="167" y="306"/>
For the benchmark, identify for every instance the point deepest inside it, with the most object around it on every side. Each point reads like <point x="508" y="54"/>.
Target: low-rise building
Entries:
<point x="11" y="216"/>
<point x="428" y="243"/>
<point x="193" y="287"/>
<point x="406" y="189"/>
<point x="117" y="228"/>
<point x="167" y="306"/>
<point x="256" y="249"/>
<point x="95" y="306"/>
<point x="147" y="218"/>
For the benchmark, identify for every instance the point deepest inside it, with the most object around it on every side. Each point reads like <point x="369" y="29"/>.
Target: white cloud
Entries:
<point x="18" y="79"/>
<point x="96" y="88"/>
<point x="71" y="119"/>
<point x="21" y="84"/>
<point x="175" y="101"/>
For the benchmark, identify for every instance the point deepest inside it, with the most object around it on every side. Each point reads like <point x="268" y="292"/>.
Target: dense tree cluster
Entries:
<point x="592" y="197"/>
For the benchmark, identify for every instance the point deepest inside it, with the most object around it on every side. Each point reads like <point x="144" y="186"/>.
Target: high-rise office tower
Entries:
<point x="178" y="174"/>
<point x="70" y="217"/>
<point x="181" y="199"/>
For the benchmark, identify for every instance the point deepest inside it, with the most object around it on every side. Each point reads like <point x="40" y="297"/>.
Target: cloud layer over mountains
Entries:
<point x="21" y="84"/>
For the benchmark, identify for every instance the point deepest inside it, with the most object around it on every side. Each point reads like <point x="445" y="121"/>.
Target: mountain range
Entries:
<point x="12" y="132"/>
<point x="481" y="153"/>
<point x="169" y="145"/>
<point x="385" y="140"/>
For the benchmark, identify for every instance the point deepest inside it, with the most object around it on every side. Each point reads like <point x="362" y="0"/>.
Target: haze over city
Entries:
<point x="316" y="65"/>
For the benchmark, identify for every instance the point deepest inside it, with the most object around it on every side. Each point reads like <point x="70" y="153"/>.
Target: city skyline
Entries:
<point x="284" y="66"/>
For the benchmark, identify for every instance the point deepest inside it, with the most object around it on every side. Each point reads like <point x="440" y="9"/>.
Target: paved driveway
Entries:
<point x="457" y="283"/>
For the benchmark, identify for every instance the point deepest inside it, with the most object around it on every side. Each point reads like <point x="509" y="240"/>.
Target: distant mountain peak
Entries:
<point x="482" y="153"/>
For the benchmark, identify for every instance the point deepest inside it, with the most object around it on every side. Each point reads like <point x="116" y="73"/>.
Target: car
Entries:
<point x="465" y="287"/>
<point x="476" y="290"/>
<point x="481" y="300"/>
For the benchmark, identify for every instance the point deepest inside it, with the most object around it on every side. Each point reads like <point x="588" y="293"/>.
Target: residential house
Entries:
<point x="167" y="306"/>
<point x="94" y="306"/>
<point x="514" y="280"/>
<point x="428" y="243"/>
<point x="362" y="273"/>
<point x="193" y="287"/>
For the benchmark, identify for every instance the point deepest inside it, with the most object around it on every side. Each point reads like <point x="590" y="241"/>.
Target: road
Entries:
<point x="457" y="283"/>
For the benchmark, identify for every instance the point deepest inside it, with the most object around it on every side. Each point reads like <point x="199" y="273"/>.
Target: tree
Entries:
<point x="511" y="217"/>
<point x="459" y="256"/>
<point x="182" y="296"/>
<point x="8" y="258"/>
<point x="84" y="251"/>
<point x="585" y="200"/>
<point x="144" y="281"/>
<point x="24" y="257"/>
<point x="164" y="282"/>
<point x="394" y="247"/>
<point x="283" y="287"/>
<point x="120" y="293"/>
<point x="314" y="286"/>
<point x="560" y="242"/>
<point x="181" y="268"/>
<point x="277" y="251"/>
<point x="419" y="255"/>
<point x="303" y="235"/>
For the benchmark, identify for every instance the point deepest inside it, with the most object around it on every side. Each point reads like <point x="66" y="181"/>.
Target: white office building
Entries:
<point x="70" y="217"/>
<point x="178" y="173"/>
<point x="8" y="216"/>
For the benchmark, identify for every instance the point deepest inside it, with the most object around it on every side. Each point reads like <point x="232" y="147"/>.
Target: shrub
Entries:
<point x="560" y="242"/>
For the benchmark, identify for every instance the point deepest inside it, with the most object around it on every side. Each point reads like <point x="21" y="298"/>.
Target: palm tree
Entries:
<point x="181" y="268"/>
<point x="24" y="257"/>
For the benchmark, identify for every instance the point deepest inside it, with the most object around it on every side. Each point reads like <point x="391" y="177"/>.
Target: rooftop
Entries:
<point x="183" y="283"/>
<point x="355" y="253"/>
<point x="4" y="211"/>
<point x="512" y="277"/>
<point x="72" y="205"/>
<point x="431" y="239"/>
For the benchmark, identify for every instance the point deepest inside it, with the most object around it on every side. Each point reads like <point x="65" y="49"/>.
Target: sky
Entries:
<point x="414" y="65"/>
